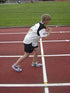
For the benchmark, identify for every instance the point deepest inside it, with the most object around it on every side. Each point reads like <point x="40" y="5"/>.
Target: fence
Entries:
<point x="22" y="1"/>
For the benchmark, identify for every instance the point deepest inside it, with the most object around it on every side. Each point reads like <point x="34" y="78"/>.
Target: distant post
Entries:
<point x="31" y="1"/>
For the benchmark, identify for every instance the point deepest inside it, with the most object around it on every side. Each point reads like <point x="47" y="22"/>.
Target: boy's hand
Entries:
<point x="49" y="29"/>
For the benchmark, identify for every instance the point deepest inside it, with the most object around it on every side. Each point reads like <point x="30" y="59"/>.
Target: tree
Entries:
<point x="3" y="1"/>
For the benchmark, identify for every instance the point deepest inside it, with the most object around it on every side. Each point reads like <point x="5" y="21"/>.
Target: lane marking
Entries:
<point x="20" y="33"/>
<point x="56" y="41"/>
<point x="45" y="78"/>
<point x="49" y="41"/>
<point x="60" y="32"/>
<point x="45" y="82"/>
<point x="53" y="55"/>
<point x="14" y="33"/>
<point x="36" y="85"/>
<point x="8" y="42"/>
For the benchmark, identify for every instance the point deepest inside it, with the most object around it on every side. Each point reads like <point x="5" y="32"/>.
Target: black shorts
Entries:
<point x="28" y="48"/>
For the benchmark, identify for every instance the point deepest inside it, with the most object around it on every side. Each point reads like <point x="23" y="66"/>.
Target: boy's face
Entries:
<point x="47" y="22"/>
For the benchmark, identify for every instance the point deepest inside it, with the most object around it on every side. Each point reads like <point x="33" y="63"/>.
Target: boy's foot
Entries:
<point x="16" y="68"/>
<point x="36" y="65"/>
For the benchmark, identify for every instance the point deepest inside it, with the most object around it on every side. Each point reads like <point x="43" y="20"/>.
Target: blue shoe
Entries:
<point x="16" y="68"/>
<point x="36" y="65"/>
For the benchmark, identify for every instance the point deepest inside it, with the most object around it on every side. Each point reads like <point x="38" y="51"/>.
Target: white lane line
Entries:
<point x="60" y="32"/>
<point x="36" y="85"/>
<point x="56" y="55"/>
<point x="45" y="79"/>
<point x="18" y="33"/>
<point x="53" y="32"/>
<point x="8" y="42"/>
<point x="56" y="41"/>
<point x="49" y="41"/>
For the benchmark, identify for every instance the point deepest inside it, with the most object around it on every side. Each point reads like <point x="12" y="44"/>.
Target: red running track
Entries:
<point x="58" y="68"/>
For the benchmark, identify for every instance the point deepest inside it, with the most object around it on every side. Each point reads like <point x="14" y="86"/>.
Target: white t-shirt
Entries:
<point x="35" y="33"/>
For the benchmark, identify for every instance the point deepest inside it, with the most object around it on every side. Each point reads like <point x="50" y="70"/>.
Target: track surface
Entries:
<point x="57" y="67"/>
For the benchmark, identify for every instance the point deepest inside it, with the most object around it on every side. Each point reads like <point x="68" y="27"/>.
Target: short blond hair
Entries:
<point x="45" y="17"/>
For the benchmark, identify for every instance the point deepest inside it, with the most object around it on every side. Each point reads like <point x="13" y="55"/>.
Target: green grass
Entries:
<point x="27" y="14"/>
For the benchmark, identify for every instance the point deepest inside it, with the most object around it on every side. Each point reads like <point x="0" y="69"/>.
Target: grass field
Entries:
<point x="27" y="14"/>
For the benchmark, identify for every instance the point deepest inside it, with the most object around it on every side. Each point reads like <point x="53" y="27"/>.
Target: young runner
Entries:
<point x="31" y="42"/>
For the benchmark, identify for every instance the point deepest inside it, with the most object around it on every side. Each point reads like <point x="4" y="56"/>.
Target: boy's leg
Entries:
<point x="35" y="58"/>
<point x="21" y="58"/>
<point x="16" y="65"/>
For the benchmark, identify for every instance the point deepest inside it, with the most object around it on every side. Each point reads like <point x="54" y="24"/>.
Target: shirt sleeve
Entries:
<point x="43" y="33"/>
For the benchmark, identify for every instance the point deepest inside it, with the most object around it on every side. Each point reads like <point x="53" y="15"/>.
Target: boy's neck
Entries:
<point x="43" y="23"/>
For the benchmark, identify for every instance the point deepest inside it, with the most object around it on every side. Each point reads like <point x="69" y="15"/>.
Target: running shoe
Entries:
<point x="16" y="68"/>
<point x="36" y="65"/>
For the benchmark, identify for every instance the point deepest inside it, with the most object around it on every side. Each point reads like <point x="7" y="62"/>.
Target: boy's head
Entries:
<point x="46" y="18"/>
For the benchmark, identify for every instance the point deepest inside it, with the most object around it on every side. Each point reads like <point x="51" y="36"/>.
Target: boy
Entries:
<point x="31" y="41"/>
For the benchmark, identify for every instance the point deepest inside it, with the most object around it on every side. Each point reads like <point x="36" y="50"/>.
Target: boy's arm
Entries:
<point x="43" y="33"/>
<point x="49" y="29"/>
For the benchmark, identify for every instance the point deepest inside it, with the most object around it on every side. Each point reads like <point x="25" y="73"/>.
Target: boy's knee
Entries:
<point x="37" y="51"/>
<point x="26" y="54"/>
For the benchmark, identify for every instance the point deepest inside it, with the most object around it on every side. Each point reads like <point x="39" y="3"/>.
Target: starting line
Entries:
<point x="49" y="41"/>
<point x="35" y="85"/>
<point x="55" y="55"/>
